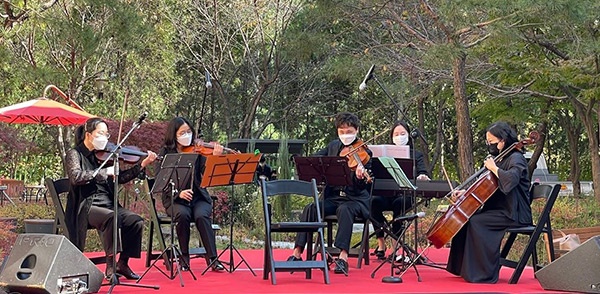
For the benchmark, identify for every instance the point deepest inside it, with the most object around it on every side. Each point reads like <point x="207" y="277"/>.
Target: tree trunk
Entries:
<point x="463" y="120"/>
<point x="585" y="112"/>
<point x="421" y="119"/>
<point x="573" y="132"/>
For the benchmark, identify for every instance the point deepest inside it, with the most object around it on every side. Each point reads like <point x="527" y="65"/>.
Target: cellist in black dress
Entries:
<point x="475" y="250"/>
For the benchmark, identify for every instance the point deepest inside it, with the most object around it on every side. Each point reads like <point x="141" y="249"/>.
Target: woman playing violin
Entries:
<point x="345" y="202"/>
<point x="401" y="202"/>
<point x="192" y="204"/>
<point x="475" y="251"/>
<point x="91" y="199"/>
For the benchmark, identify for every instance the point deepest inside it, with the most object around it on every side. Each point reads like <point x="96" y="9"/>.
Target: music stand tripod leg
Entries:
<point x="230" y="247"/>
<point x="172" y="250"/>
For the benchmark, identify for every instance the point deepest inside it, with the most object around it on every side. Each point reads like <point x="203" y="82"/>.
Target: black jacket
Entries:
<point x="80" y="165"/>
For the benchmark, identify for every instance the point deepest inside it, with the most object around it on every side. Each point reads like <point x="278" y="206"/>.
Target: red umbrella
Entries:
<point x="43" y="111"/>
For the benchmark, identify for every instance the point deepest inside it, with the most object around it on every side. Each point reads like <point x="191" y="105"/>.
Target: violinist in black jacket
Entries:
<point x="91" y="199"/>
<point x="345" y="202"/>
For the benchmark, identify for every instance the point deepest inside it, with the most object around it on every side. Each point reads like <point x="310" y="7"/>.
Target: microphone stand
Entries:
<point x="114" y="155"/>
<point x="414" y="133"/>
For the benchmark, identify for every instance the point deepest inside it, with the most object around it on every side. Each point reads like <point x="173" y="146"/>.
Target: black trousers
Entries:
<point x="131" y="224"/>
<point x="200" y="212"/>
<point x="345" y="210"/>
<point x="399" y="205"/>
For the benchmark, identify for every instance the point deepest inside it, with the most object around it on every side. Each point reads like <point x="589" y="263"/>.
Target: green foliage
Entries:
<point x="287" y="67"/>
<point x="26" y="210"/>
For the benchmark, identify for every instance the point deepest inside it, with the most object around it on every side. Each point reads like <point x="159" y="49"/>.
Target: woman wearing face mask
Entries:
<point x="91" y="199"/>
<point x="345" y="202"/>
<point x="475" y="251"/>
<point x="401" y="202"/>
<point x="192" y="204"/>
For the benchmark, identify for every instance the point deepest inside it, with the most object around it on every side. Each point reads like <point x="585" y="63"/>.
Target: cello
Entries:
<point x="459" y="212"/>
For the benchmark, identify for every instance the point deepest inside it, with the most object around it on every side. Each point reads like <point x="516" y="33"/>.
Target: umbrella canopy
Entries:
<point x="43" y="111"/>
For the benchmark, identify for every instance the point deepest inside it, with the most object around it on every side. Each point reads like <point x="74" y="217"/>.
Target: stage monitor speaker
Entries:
<point x="49" y="264"/>
<point x="578" y="270"/>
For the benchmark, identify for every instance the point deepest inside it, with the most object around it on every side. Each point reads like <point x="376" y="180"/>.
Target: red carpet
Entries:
<point x="359" y="280"/>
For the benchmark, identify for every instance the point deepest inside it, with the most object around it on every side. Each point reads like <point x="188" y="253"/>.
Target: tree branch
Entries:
<point x="515" y="91"/>
<point x="474" y="43"/>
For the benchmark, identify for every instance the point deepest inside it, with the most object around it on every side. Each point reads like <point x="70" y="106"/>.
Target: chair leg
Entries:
<point x="364" y="246"/>
<point x="509" y="242"/>
<point x="321" y="242"/>
<point x="523" y="260"/>
<point x="309" y="254"/>
<point x="149" y="249"/>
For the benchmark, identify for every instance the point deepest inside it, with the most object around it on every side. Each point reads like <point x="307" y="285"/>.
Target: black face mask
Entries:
<point x="493" y="149"/>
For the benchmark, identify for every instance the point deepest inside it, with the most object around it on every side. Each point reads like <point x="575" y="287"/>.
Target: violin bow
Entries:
<point x="124" y="108"/>
<point x="443" y="167"/>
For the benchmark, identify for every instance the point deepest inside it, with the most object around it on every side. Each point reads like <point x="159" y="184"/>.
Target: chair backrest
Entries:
<point x="56" y="189"/>
<point x="550" y="193"/>
<point x="289" y="187"/>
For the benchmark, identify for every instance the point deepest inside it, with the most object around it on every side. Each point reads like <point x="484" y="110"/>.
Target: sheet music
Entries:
<point x="394" y="151"/>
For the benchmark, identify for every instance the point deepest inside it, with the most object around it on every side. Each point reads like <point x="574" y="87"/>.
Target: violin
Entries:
<point x="357" y="156"/>
<point x="127" y="154"/>
<point x="201" y="147"/>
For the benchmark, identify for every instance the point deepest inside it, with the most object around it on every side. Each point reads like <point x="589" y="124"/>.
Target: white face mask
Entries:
<point x="100" y="142"/>
<point x="347" y="139"/>
<point x="185" y="140"/>
<point x="400" y="140"/>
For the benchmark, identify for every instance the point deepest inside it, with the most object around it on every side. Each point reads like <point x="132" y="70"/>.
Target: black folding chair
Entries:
<point x="60" y="189"/>
<point x="542" y="191"/>
<point x="272" y="189"/>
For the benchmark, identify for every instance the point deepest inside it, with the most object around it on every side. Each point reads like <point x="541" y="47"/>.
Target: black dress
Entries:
<point x="475" y="250"/>
<point x="345" y="202"/>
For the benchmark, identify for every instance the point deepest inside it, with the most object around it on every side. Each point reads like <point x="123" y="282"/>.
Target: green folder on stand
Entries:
<point x="396" y="172"/>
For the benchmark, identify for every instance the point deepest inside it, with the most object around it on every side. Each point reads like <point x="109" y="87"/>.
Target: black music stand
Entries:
<point x="326" y="170"/>
<point x="389" y="169"/>
<point x="230" y="170"/>
<point x="176" y="169"/>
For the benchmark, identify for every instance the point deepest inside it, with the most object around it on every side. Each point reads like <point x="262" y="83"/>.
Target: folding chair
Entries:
<point x="542" y="191"/>
<point x="156" y="222"/>
<point x="56" y="189"/>
<point x="272" y="189"/>
<point x="60" y="189"/>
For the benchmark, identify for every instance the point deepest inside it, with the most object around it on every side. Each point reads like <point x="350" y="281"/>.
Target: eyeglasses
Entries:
<point x="107" y="135"/>
<point x="188" y="132"/>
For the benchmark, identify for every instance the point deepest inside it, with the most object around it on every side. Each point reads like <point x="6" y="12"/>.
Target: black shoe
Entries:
<point x="184" y="263"/>
<point x="217" y="266"/>
<point x="108" y="274"/>
<point x="125" y="271"/>
<point x="379" y="253"/>
<point x="341" y="266"/>
<point x="294" y="258"/>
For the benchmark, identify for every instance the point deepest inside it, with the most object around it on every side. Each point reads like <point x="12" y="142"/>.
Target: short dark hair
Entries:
<point x="87" y="127"/>
<point x="171" y="134"/>
<point x="504" y="132"/>
<point x="405" y="125"/>
<point x="347" y="119"/>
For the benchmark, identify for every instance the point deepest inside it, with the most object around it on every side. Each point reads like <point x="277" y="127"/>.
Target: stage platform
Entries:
<point x="434" y="280"/>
